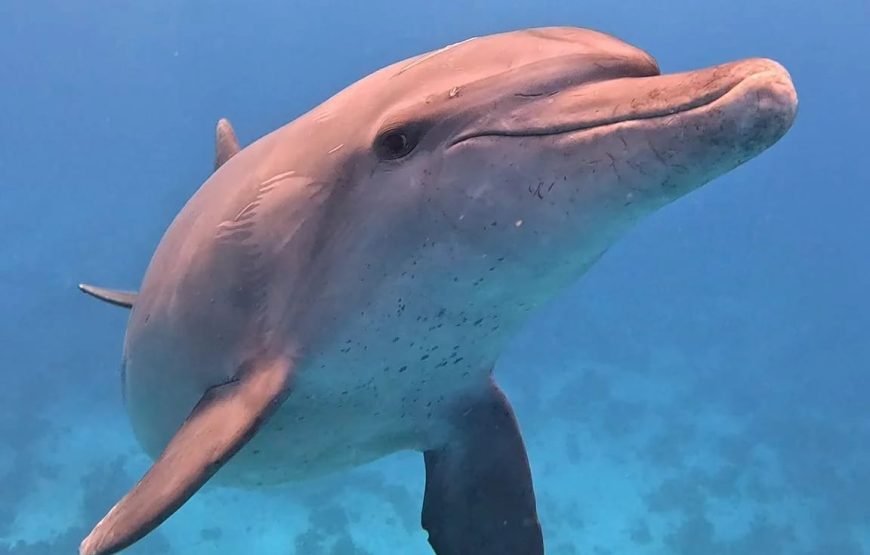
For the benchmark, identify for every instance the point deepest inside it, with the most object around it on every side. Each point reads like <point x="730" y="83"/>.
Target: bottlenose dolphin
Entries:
<point x="340" y="289"/>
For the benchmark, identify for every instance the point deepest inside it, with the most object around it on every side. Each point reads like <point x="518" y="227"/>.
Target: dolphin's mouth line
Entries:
<point x="702" y="101"/>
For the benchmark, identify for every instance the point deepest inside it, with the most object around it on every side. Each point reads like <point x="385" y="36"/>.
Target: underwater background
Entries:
<point x="703" y="390"/>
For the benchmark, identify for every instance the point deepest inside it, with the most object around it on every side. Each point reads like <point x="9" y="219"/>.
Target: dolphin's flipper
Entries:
<point x="479" y="496"/>
<point x="226" y="143"/>
<point x="225" y="418"/>
<point x="113" y="296"/>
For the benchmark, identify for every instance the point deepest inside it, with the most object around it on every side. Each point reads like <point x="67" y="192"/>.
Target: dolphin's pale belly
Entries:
<point x="385" y="379"/>
<point x="377" y="390"/>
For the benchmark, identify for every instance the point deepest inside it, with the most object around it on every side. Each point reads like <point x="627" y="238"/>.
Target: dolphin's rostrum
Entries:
<point x="340" y="289"/>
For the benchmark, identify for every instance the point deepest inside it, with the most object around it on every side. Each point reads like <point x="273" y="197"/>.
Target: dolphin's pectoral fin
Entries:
<point x="225" y="418"/>
<point x="479" y="496"/>
<point x="112" y="296"/>
<point x="226" y="143"/>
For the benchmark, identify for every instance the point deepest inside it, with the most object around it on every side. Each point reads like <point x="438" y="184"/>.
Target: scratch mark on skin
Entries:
<point x="250" y="209"/>
<point x="238" y="234"/>
<point x="615" y="169"/>
<point x="336" y="149"/>
<point x="425" y="57"/>
<point x="657" y="154"/>
<point x="538" y="190"/>
<point x="624" y="144"/>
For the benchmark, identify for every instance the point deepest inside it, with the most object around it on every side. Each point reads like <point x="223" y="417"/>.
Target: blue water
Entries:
<point x="702" y="391"/>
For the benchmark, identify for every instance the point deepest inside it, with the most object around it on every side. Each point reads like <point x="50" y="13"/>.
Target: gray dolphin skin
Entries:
<point x="340" y="289"/>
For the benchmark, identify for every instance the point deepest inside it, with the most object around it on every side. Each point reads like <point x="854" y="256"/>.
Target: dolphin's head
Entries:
<point x="542" y="145"/>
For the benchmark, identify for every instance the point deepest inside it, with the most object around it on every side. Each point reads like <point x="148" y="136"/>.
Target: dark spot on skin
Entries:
<point x="256" y="451"/>
<point x="478" y="321"/>
<point x="458" y="360"/>
<point x="424" y="357"/>
<point x="395" y="339"/>
<point x="403" y="368"/>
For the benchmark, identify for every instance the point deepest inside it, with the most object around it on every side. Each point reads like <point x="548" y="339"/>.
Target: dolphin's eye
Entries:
<point x="396" y="143"/>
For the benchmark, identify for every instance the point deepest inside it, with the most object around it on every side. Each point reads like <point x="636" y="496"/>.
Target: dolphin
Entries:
<point x="340" y="289"/>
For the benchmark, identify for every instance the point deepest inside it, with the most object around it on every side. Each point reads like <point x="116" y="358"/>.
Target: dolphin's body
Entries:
<point x="340" y="289"/>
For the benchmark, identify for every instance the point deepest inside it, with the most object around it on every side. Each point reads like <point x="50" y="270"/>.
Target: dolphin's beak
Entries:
<point x="762" y="85"/>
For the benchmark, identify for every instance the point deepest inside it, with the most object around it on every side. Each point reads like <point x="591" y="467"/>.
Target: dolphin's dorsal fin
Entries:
<point x="226" y="143"/>
<point x="223" y="421"/>
<point x="113" y="296"/>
